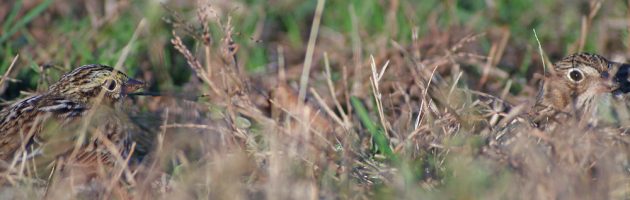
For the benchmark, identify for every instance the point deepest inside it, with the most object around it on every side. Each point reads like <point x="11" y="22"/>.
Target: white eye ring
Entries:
<point x="575" y="75"/>
<point x="110" y="85"/>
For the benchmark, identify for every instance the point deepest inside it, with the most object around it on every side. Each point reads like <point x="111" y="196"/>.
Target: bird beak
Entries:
<point x="621" y="74"/>
<point x="132" y="85"/>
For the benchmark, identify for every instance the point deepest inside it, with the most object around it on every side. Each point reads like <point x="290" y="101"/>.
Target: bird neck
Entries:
<point x="553" y="95"/>
<point x="556" y="98"/>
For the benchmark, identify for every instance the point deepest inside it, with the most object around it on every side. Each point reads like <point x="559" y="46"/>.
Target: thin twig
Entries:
<point x="424" y="97"/>
<point x="194" y="126"/>
<point x="6" y="74"/>
<point x="127" y="48"/>
<point x="329" y="111"/>
<point x="310" y="49"/>
<point x="331" y="89"/>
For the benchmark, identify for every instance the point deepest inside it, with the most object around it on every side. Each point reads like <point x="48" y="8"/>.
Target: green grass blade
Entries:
<point x="25" y="19"/>
<point x="14" y="12"/>
<point x="381" y="142"/>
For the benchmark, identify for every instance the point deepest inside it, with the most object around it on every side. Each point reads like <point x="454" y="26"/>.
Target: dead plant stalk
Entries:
<point x="374" y="81"/>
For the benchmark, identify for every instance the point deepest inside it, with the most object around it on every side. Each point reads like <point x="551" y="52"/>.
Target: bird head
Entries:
<point x="87" y="82"/>
<point x="576" y="80"/>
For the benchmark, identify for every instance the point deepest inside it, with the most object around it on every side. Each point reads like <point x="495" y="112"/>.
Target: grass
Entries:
<point x="230" y="124"/>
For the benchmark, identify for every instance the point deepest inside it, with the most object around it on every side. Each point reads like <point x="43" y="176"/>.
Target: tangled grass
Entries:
<point x="329" y="120"/>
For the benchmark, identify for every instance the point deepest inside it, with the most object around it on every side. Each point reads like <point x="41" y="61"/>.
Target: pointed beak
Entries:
<point x="620" y="79"/>
<point x="133" y="85"/>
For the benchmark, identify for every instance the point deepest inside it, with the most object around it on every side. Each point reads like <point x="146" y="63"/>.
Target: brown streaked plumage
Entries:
<point x="47" y="125"/>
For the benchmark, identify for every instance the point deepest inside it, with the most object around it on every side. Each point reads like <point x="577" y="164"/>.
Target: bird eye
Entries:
<point x="575" y="75"/>
<point x="111" y="85"/>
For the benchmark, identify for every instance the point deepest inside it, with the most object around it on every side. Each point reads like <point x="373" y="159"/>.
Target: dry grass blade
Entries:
<point x="310" y="50"/>
<point x="423" y="105"/>
<point x="374" y="82"/>
<point x="331" y="89"/>
<point x="328" y="110"/>
<point x="6" y="74"/>
<point x="194" y="63"/>
<point x="587" y="21"/>
<point x="197" y="126"/>
<point x="541" y="52"/>
<point x="450" y="92"/>
<point x="127" y="48"/>
<point x="123" y="166"/>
